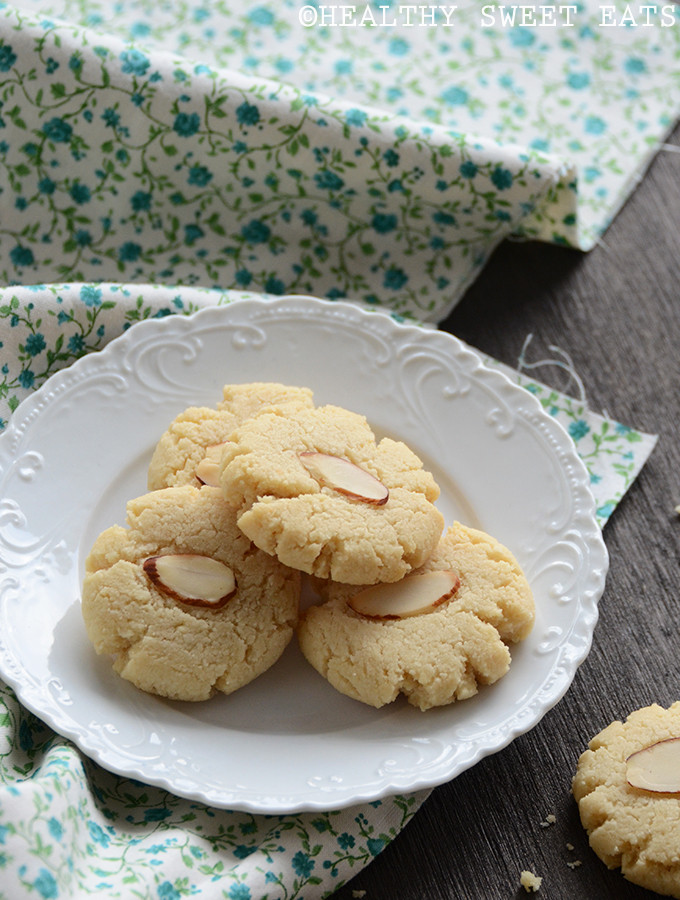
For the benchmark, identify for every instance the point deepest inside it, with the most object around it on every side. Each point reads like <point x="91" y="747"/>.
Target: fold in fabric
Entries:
<point x="130" y="165"/>
<point x="590" y="88"/>
<point x="68" y="828"/>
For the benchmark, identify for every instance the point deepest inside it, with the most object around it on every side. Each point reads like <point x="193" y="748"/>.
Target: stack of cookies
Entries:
<point x="201" y="592"/>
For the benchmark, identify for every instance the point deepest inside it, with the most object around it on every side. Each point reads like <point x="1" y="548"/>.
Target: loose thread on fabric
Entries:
<point x="563" y="362"/>
<point x="600" y="242"/>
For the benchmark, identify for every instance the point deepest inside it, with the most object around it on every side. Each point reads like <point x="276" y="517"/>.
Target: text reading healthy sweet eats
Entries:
<point x="492" y="15"/>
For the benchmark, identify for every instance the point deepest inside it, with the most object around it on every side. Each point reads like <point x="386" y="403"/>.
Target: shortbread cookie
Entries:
<point x="314" y="489"/>
<point x="246" y="400"/>
<point x="179" y="625"/>
<point x="635" y="827"/>
<point x="182" y="448"/>
<point x="435" y="636"/>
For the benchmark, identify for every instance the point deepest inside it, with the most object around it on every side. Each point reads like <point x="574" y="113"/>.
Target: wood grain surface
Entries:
<point x="616" y="311"/>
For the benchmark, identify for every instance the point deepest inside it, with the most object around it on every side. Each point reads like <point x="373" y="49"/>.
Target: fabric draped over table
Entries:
<point x="381" y="164"/>
<point x="144" y="146"/>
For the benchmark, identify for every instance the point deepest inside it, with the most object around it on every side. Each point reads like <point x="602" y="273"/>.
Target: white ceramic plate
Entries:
<point x="78" y="449"/>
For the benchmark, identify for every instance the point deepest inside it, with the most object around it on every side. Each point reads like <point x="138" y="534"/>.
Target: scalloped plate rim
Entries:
<point x="321" y="799"/>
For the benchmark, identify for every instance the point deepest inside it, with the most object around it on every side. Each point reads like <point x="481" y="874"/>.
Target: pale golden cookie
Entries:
<point x="166" y="646"/>
<point x="437" y="656"/>
<point x="289" y="511"/>
<point x="182" y="447"/>
<point x="631" y="827"/>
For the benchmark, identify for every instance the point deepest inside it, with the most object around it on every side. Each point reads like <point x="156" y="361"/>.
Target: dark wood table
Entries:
<point x="616" y="311"/>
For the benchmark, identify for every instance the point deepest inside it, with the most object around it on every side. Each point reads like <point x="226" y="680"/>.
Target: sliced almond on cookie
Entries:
<point x="412" y="596"/>
<point x="656" y="767"/>
<point x="344" y="476"/>
<point x="208" y="470"/>
<point x="192" y="579"/>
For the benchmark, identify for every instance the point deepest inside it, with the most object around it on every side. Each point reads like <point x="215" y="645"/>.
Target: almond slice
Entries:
<point x="342" y="475"/>
<point x="411" y="596"/>
<point x="192" y="579"/>
<point x="656" y="767"/>
<point x="208" y="470"/>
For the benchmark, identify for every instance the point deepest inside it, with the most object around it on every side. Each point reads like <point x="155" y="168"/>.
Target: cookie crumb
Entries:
<point x="575" y="864"/>
<point x="358" y="894"/>
<point x="550" y="819"/>
<point x="530" y="882"/>
<point x="570" y="846"/>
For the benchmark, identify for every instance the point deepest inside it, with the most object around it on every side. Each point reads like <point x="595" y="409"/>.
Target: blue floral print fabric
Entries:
<point x="69" y="829"/>
<point x="137" y="166"/>
<point x="446" y="131"/>
<point x="186" y="144"/>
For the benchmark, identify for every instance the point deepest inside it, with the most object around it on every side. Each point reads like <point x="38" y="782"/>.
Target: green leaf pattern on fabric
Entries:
<point x="598" y="93"/>
<point x="125" y="165"/>
<point x="69" y="828"/>
<point x="613" y="453"/>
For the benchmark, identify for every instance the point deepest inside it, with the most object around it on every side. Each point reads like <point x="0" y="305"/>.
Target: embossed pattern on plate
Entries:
<point x="78" y="449"/>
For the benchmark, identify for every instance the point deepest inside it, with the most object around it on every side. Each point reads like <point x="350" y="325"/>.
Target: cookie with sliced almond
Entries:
<point x="316" y="489"/>
<point x="188" y="452"/>
<point x="181" y="601"/>
<point x="627" y="786"/>
<point x="434" y="636"/>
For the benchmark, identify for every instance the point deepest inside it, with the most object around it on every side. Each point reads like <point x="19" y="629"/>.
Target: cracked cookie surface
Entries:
<point x="310" y="525"/>
<point x="635" y="829"/>
<point x="183" y="445"/>
<point x="436" y="657"/>
<point x="165" y="646"/>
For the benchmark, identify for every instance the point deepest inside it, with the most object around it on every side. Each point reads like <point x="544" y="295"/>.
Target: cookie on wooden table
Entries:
<point x="315" y="489"/>
<point x="434" y="636"/>
<point x="200" y="430"/>
<point x="627" y="785"/>
<point x="183" y="601"/>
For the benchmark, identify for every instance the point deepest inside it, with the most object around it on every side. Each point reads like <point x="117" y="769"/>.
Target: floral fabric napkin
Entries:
<point x="268" y="147"/>
<point x="70" y="829"/>
<point x="593" y="86"/>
